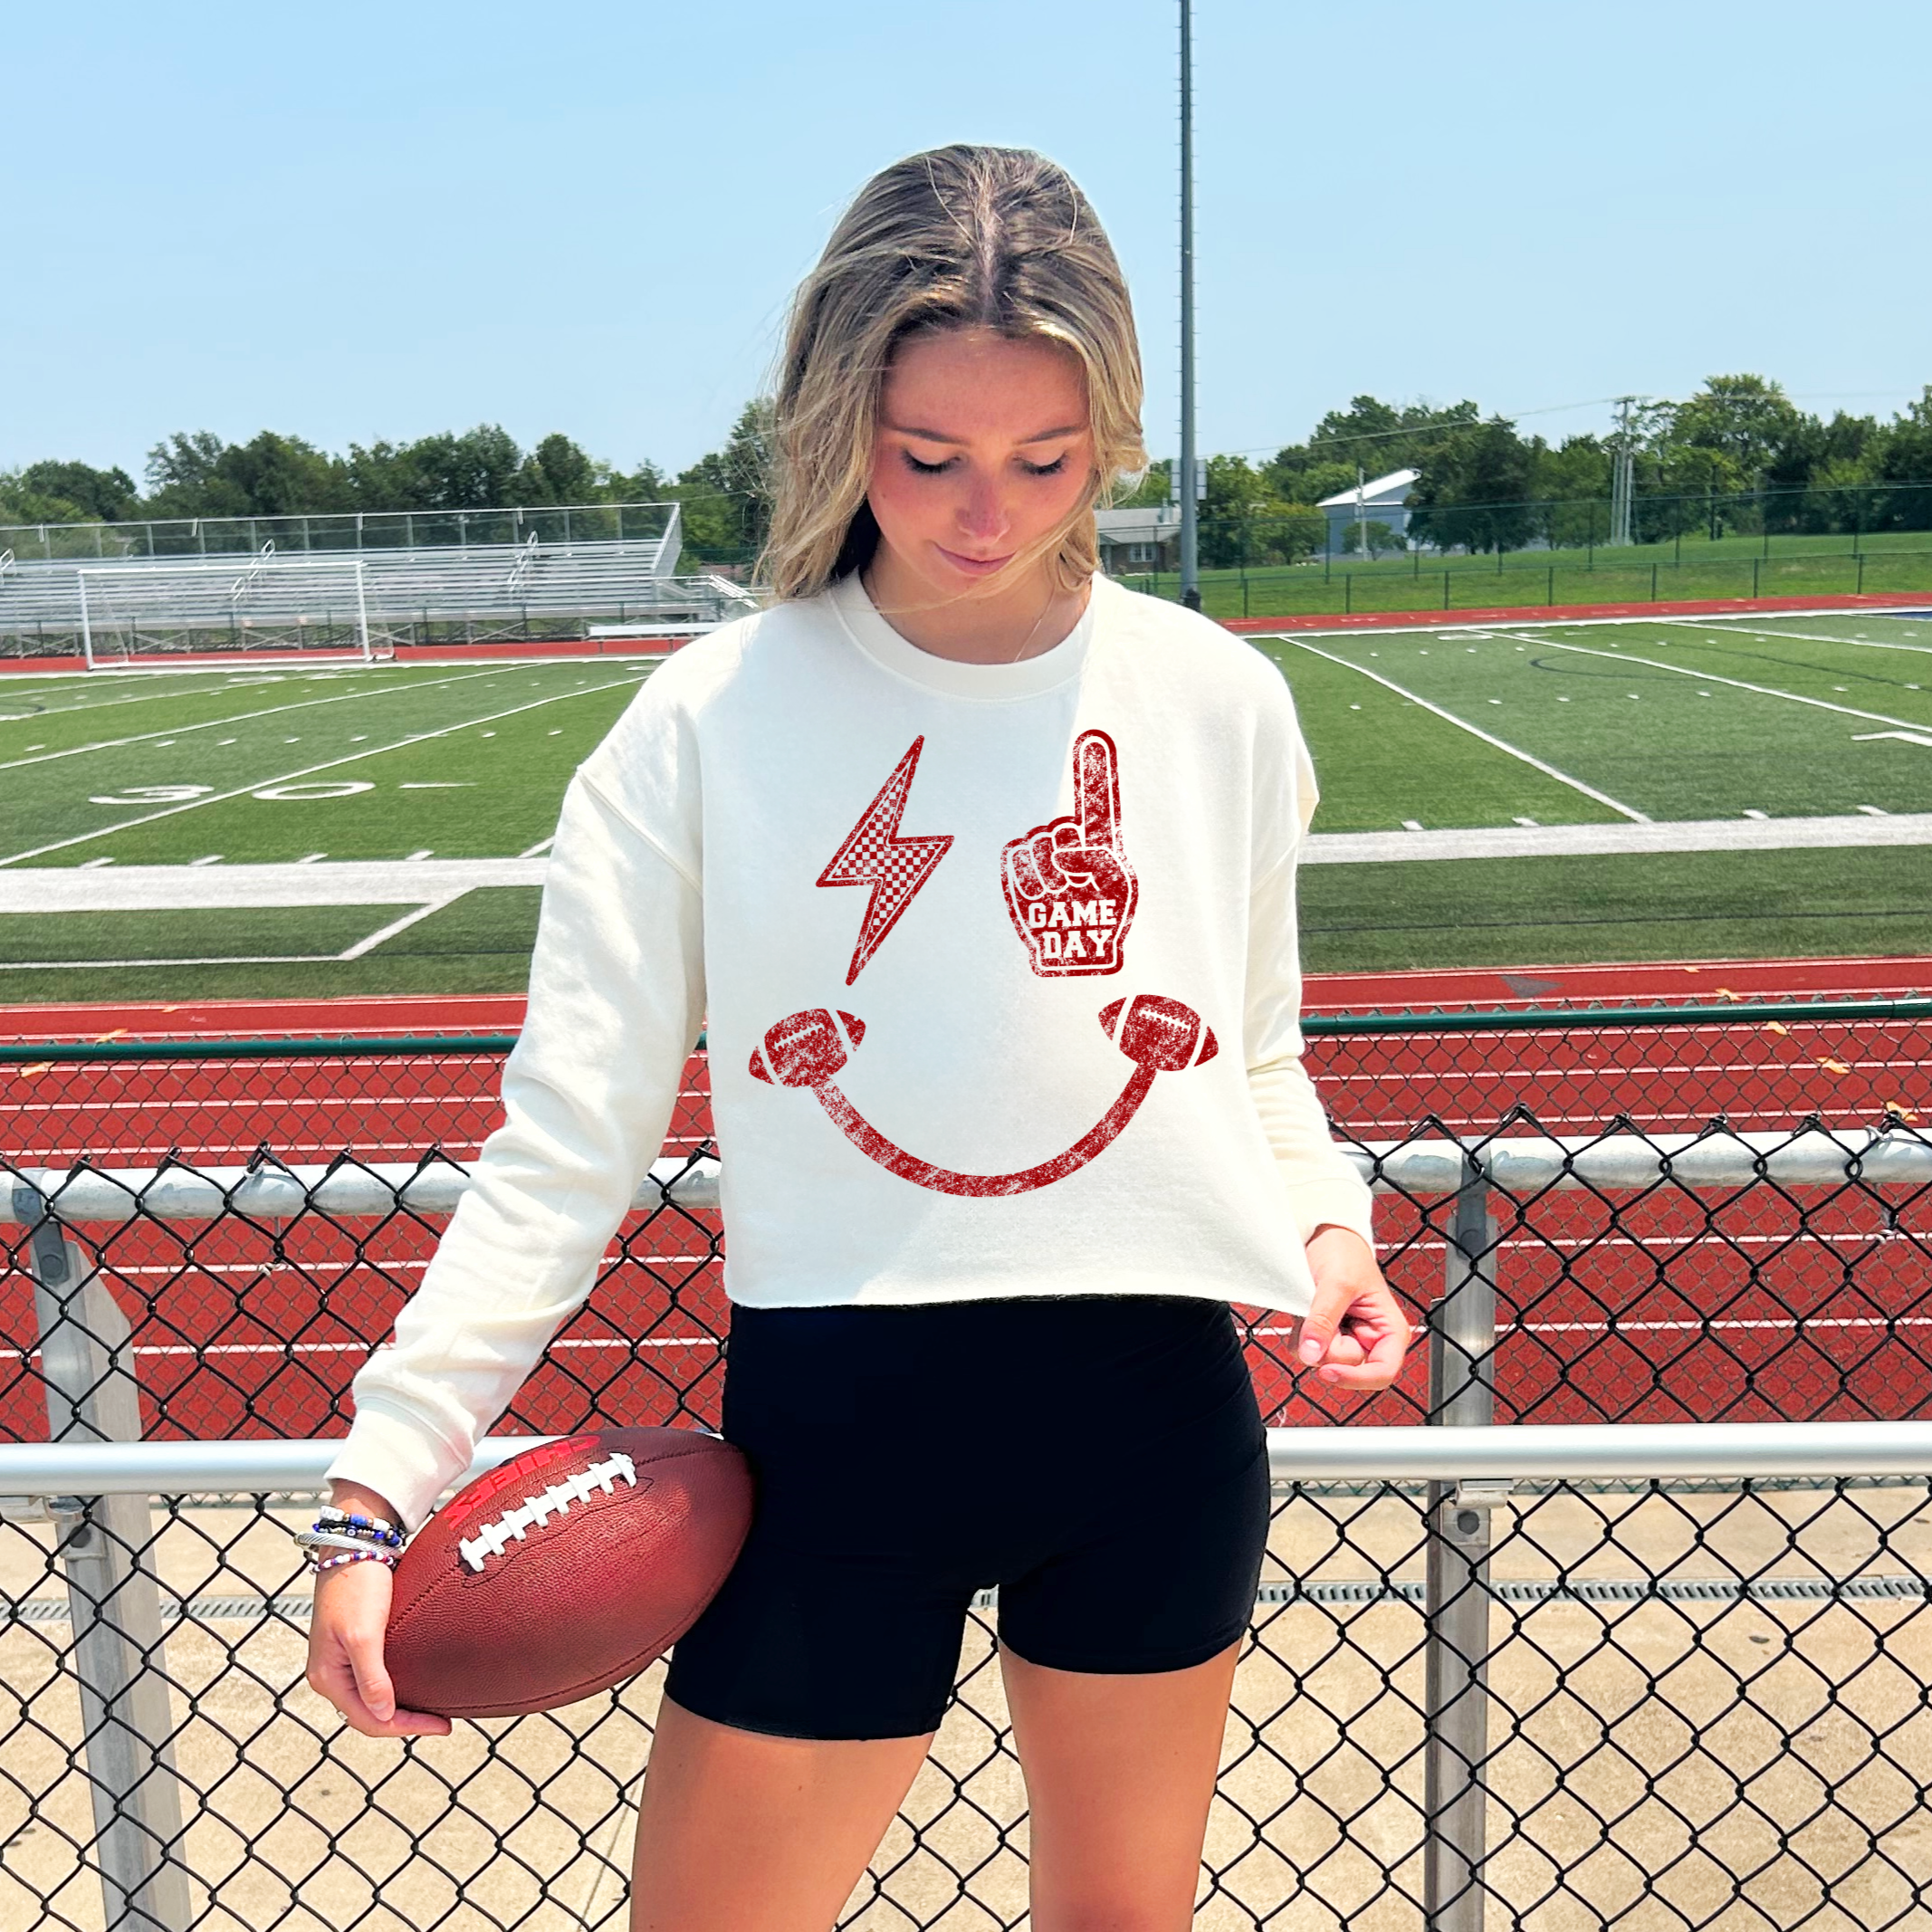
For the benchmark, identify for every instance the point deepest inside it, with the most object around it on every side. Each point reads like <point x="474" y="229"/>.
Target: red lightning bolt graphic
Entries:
<point x="875" y="854"/>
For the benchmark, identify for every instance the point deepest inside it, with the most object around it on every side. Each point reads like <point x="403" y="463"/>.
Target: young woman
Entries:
<point x="982" y="870"/>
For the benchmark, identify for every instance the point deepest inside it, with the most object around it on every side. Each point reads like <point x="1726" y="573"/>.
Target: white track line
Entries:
<point x="272" y="710"/>
<point x="242" y="791"/>
<point x="1739" y="683"/>
<point x="1462" y="724"/>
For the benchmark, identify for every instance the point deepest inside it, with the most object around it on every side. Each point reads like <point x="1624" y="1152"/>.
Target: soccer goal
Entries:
<point x="306" y="606"/>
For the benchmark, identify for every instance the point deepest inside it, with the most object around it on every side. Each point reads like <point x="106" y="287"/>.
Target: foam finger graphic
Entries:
<point x="1079" y="864"/>
<point x="1096" y="789"/>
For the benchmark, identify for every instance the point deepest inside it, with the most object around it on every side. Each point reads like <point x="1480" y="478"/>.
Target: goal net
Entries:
<point x="261" y="605"/>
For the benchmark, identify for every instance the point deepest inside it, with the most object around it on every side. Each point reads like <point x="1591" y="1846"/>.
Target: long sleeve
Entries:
<point x="1323" y="1186"/>
<point x="616" y="1003"/>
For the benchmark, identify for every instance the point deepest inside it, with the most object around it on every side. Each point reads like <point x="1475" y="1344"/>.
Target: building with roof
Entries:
<point x="1382" y="500"/>
<point x="1144" y="538"/>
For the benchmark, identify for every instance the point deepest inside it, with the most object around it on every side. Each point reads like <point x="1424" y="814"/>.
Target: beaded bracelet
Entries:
<point x="336" y="1563"/>
<point x="331" y="1517"/>
<point x="328" y="1539"/>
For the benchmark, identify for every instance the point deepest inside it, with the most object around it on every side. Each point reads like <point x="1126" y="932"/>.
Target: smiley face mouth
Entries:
<point x="809" y="1049"/>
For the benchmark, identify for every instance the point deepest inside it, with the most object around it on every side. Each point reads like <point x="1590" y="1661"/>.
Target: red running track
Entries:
<point x="1666" y="1307"/>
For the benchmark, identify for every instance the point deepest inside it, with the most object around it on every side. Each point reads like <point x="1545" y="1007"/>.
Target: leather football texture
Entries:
<point x="567" y="1570"/>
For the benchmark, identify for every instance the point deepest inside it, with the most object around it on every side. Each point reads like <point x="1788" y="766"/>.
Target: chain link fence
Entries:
<point x="1681" y="1691"/>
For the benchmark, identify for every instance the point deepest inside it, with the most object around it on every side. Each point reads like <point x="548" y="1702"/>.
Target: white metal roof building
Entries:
<point x="1382" y="500"/>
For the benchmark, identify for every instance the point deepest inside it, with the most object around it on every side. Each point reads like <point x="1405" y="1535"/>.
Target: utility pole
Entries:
<point x="1362" y="513"/>
<point x="1190" y="506"/>
<point x="1623" y="474"/>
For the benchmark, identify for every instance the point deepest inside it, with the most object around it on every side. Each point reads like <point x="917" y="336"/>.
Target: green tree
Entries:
<point x="1901" y="456"/>
<point x="1746" y="418"/>
<point x="1153" y="489"/>
<point x="556" y="472"/>
<point x="199" y="475"/>
<point x="727" y="494"/>
<point x="101" y="496"/>
<point x="1369" y="438"/>
<point x="1569" y="484"/>
<point x="1474" y="494"/>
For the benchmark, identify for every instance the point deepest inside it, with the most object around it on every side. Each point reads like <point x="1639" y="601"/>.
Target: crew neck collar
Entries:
<point x="992" y="683"/>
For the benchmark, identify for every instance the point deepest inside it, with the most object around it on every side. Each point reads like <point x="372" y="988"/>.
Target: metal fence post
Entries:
<point x="87" y="1360"/>
<point x="1461" y="1392"/>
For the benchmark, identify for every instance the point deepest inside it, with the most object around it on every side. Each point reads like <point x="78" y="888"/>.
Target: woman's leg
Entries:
<point x="738" y="1832"/>
<point x="1120" y="1772"/>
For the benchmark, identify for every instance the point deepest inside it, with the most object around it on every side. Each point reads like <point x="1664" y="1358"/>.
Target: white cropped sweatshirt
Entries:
<point x="999" y="964"/>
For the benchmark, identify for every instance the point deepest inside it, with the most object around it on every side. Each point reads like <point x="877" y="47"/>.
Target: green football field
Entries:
<point x="1584" y="724"/>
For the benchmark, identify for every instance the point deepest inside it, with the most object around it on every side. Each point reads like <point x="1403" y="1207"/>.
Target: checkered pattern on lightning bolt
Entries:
<point x="875" y="854"/>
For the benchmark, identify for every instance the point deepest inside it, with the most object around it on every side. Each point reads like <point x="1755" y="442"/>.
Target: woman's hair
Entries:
<point x="961" y="237"/>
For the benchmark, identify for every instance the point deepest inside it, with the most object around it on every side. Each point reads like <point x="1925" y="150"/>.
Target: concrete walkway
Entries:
<point x="422" y="882"/>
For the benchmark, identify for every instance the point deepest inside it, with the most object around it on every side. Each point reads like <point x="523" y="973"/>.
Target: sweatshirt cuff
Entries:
<point x="1344" y="1203"/>
<point x="398" y="1460"/>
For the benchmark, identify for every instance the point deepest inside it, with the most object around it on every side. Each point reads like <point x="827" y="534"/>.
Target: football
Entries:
<point x="565" y="1571"/>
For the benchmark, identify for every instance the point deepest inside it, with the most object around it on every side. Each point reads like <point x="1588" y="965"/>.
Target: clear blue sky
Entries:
<point x="361" y="221"/>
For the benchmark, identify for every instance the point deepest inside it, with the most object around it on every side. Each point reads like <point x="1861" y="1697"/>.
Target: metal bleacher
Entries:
<point x="542" y="588"/>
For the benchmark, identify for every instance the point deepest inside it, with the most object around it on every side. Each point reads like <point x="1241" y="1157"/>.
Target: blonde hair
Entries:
<point x="961" y="237"/>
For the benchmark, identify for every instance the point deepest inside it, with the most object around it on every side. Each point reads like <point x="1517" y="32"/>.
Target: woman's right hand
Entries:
<point x="346" y="1632"/>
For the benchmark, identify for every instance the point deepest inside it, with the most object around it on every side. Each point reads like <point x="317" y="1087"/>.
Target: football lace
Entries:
<point x="493" y="1538"/>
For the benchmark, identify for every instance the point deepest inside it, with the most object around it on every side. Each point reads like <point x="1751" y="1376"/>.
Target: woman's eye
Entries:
<point x="924" y="468"/>
<point x="1045" y="469"/>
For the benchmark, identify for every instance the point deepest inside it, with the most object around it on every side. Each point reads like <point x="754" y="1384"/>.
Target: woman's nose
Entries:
<point x="983" y="514"/>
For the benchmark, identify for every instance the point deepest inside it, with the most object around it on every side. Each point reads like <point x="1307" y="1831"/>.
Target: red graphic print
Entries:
<point x="875" y="854"/>
<point x="1159" y="1034"/>
<point x="1068" y="885"/>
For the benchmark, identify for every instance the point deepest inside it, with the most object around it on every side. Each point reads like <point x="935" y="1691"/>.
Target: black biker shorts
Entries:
<point x="1099" y="1459"/>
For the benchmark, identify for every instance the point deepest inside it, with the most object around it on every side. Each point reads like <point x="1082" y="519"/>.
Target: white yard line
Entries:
<point x="1462" y="724"/>
<point x="1570" y="841"/>
<point x="383" y="934"/>
<point x="1738" y="683"/>
<point x="106" y="703"/>
<point x="241" y="791"/>
<point x="190" y="889"/>
<point x="249" y="959"/>
<point x="272" y="710"/>
<point x="1751" y="630"/>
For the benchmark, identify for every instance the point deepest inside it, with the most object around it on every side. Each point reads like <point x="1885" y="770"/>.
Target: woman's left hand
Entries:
<point x="1354" y="1334"/>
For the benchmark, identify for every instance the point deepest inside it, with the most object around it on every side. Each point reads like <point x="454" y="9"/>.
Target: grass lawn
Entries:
<point x="1671" y="721"/>
<point x="1732" y="567"/>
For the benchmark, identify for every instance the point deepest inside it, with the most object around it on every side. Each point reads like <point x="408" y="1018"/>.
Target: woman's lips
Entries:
<point x="974" y="566"/>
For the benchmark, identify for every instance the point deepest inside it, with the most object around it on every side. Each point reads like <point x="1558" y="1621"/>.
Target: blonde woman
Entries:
<point x="982" y="869"/>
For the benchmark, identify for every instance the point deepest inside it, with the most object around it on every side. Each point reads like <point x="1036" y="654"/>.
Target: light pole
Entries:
<point x="1189" y="507"/>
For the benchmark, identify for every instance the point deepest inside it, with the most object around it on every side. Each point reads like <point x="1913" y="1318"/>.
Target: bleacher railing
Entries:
<point x="191" y="537"/>
<point x="1671" y="1669"/>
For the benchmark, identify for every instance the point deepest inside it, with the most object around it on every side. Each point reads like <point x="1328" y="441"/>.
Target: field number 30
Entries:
<point x="185" y="794"/>
<point x="153" y="794"/>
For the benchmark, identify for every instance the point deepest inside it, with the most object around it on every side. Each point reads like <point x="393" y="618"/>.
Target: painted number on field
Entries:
<point x="316" y="788"/>
<point x="152" y="794"/>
